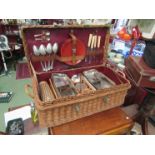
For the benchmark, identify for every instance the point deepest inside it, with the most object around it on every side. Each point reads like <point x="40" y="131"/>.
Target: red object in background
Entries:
<point x="124" y="35"/>
<point x="136" y="34"/>
<point x="66" y="50"/>
<point x="134" y="42"/>
<point x="122" y="32"/>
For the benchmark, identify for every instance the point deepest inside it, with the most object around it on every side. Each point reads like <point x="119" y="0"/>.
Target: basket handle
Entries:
<point x="27" y="87"/>
<point x="115" y="71"/>
<point x="130" y="76"/>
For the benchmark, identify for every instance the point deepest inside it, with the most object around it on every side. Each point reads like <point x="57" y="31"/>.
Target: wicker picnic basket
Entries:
<point x="65" y="109"/>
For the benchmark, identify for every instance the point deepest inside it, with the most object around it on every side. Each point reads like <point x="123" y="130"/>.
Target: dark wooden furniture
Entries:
<point x="142" y="78"/>
<point x="114" y="121"/>
<point x="141" y="73"/>
<point x="110" y="122"/>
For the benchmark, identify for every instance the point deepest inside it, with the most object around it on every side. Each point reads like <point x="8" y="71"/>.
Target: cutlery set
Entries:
<point x="92" y="51"/>
<point x="46" y="50"/>
<point x="44" y="36"/>
<point x="93" y="48"/>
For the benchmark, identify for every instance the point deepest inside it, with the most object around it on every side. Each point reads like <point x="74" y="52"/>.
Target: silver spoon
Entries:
<point x="55" y="50"/>
<point x="37" y="53"/>
<point x="42" y="51"/>
<point x="49" y="51"/>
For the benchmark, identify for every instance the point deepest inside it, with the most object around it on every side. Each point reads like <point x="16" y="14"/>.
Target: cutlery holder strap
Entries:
<point x="66" y="59"/>
<point x="73" y="37"/>
<point x="74" y="41"/>
<point x="62" y="59"/>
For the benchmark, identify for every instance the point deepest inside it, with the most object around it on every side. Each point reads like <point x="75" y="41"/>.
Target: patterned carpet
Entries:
<point x="22" y="71"/>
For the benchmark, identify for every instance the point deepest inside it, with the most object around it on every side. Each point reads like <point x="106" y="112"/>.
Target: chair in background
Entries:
<point x="4" y="47"/>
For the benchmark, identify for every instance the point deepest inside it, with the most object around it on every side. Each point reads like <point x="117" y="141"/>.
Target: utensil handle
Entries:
<point x="95" y="41"/>
<point x="38" y="35"/>
<point x="42" y="66"/>
<point x="44" y="38"/>
<point x="38" y="39"/>
<point x="51" y="67"/>
<point x="98" y="41"/>
<point x="41" y="34"/>
<point x="45" y="66"/>
<point x="89" y="40"/>
<point x="92" y="43"/>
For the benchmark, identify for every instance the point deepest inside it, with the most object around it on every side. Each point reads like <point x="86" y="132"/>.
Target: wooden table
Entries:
<point x="110" y="122"/>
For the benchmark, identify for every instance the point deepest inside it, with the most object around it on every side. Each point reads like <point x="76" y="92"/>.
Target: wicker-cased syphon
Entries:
<point x="66" y="109"/>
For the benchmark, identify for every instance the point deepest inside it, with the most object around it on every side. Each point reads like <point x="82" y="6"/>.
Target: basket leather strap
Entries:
<point x="74" y="41"/>
<point x="66" y="59"/>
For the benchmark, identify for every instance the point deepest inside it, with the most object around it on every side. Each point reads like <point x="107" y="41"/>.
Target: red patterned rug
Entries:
<point x="22" y="71"/>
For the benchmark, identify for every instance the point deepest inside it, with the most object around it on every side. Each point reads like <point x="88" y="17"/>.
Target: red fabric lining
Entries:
<point x="60" y="35"/>
<point x="108" y="72"/>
